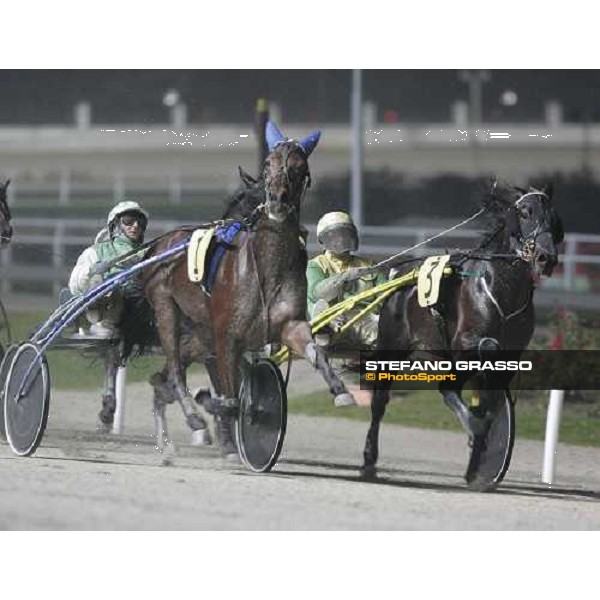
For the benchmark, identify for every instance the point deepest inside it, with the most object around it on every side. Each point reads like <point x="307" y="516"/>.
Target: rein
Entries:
<point x="525" y="252"/>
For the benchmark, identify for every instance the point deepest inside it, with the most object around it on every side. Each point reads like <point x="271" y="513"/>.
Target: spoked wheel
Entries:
<point x="26" y="399"/>
<point x="4" y="367"/>
<point x="261" y="423"/>
<point x="491" y="453"/>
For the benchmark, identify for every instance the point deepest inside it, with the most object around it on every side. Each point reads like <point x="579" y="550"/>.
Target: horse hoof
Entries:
<point x="345" y="399"/>
<point x="368" y="472"/>
<point x="229" y="451"/>
<point x="103" y="427"/>
<point x="233" y="458"/>
<point x="196" y="422"/>
<point x="202" y="395"/>
<point x="167" y="449"/>
<point x="201" y="437"/>
<point x="479" y="484"/>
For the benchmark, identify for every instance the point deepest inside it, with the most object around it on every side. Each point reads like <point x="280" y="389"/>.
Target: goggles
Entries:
<point x="128" y="219"/>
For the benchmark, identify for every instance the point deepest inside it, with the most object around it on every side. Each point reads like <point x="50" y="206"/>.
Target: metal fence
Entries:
<point x="43" y="252"/>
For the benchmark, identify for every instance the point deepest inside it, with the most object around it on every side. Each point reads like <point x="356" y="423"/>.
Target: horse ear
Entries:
<point x="548" y="189"/>
<point x="273" y="135"/>
<point x="310" y="141"/>
<point x="246" y="177"/>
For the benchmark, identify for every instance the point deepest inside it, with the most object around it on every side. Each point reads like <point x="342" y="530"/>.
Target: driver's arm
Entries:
<point x="81" y="280"/>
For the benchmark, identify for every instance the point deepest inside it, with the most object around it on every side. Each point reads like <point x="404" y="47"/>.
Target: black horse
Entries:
<point x="485" y="306"/>
<point x="5" y="216"/>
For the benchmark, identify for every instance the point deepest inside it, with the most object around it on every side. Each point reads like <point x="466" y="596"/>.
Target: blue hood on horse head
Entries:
<point x="274" y="137"/>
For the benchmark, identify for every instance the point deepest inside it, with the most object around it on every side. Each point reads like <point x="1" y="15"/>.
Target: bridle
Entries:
<point x="290" y="207"/>
<point x="526" y="244"/>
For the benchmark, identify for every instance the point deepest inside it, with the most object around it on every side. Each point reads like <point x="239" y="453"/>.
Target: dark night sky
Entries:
<point x="135" y="96"/>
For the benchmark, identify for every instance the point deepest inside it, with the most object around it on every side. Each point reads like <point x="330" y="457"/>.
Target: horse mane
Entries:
<point x="246" y="198"/>
<point x="3" y="186"/>
<point x="498" y="218"/>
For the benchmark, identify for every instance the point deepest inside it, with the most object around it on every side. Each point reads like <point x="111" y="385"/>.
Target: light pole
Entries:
<point x="475" y="80"/>
<point x="357" y="149"/>
<point x="177" y="109"/>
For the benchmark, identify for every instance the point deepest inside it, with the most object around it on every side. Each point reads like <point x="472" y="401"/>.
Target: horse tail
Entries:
<point x="137" y="326"/>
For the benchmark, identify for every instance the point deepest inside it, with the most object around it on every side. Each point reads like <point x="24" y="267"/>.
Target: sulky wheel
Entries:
<point x="26" y="399"/>
<point x="4" y="367"/>
<point x="491" y="453"/>
<point x="261" y="423"/>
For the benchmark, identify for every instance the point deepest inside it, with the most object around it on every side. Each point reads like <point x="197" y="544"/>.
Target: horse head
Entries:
<point x="5" y="227"/>
<point x="286" y="173"/>
<point x="536" y="228"/>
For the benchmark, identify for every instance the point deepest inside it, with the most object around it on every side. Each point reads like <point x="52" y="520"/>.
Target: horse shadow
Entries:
<point x="402" y="479"/>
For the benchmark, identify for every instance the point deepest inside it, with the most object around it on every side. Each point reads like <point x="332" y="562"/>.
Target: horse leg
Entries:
<point x="381" y="396"/>
<point x="470" y="422"/>
<point x="223" y="423"/>
<point x="161" y="397"/>
<point x="226" y="380"/>
<point x="297" y="336"/>
<point x="106" y="415"/>
<point x="168" y="329"/>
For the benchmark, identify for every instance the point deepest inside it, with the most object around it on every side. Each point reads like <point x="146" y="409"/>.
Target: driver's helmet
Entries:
<point x="337" y="233"/>
<point x="126" y="206"/>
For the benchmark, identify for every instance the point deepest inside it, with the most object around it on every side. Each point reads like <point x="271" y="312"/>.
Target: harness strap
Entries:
<point x="504" y="317"/>
<point x="440" y="321"/>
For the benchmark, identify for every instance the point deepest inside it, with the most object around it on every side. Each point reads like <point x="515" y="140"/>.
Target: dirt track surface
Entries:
<point x="79" y="479"/>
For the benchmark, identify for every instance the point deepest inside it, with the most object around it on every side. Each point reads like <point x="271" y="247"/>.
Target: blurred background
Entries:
<point x="73" y="142"/>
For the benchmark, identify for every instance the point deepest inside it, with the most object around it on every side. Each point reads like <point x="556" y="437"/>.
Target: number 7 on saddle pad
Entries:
<point x="430" y="275"/>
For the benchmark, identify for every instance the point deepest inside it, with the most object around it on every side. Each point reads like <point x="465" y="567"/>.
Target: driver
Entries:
<point x="336" y="274"/>
<point x="124" y="233"/>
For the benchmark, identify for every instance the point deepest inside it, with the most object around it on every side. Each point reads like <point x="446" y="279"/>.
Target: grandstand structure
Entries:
<point x="92" y="166"/>
<point x="64" y="179"/>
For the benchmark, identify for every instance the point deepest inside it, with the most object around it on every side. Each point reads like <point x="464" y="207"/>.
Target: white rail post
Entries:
<point x="64" y="186"/>
<point x="569" y="262"/>
<point x="175" y="187"/>
<point x="551" y="442"/>
<point x="118" y="186"/>
<point x="120" y="398"/>
<point x="58" y="250"/>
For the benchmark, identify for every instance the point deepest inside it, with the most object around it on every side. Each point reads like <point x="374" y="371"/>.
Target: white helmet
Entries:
<point x="123" y="207"/>
<point x="337" y="233"/>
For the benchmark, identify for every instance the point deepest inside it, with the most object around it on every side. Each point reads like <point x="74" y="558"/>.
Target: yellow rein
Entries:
<point x="381" y="292"/>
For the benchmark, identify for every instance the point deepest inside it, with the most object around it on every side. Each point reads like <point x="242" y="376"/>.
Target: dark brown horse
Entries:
<point x="6" y="233"/>
<point x="258" y="296"/>
<point x="485" y="307"/>
<point x="5" y="227"/>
